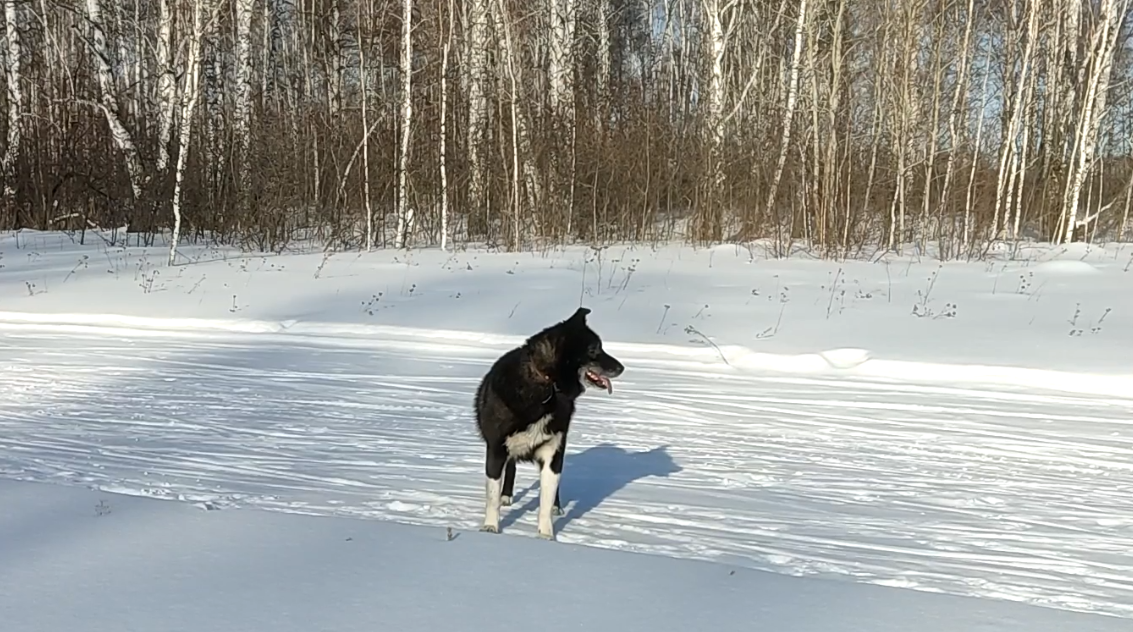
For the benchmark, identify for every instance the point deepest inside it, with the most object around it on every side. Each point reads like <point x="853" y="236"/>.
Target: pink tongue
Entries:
<point x="608" y="384"/>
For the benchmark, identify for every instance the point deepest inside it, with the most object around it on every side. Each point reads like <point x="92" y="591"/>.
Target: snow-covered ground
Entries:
<point x="962" y="428"/>
<point x="76" y="560"/>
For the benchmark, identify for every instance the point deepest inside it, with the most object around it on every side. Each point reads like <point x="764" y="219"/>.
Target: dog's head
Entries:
<point x="571" y="347"/>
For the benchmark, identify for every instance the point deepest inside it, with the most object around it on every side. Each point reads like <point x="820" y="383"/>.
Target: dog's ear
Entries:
<point x="580" y="315"/>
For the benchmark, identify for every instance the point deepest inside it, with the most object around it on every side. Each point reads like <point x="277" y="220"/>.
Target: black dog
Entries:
<point x="524" y="406"/>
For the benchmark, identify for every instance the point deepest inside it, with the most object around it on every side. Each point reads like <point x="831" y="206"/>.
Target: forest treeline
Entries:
<point x="840" y="124"/>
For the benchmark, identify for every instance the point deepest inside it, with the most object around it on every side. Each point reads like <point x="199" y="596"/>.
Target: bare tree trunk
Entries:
<point x="109" y="101"/>
<point x="938" y="68"/>
<point x="560" y="64"/>
<point x="1008" y="157"/>
<point x="502" y="25"/>
<point x="475" y="77"/>
<point x="1100" y="62"/>
<point x="788" y="116"/>
<point x="404" y="221"/>
<point x="444" y="116"/>
<point x="966" y="237"/>
<point x="166" y="83"/>
<point x="906" y="119"/>
<point x="15" y="106"/>
<point x="603" y="27"/>
<point x="334" y="59"/>
<point x="521" y="150"/>
<point x="1026" y="124"/>
<point x="141" y="81"/>
<point x="242" y="119"/>
<point x="268" y="63"/>
<point x="1125" y="215"/>
<point x="713" y="10"/>
<point x="959" y="97"/>
<point x="189" y="94"/>
<point x="364" y="73"/>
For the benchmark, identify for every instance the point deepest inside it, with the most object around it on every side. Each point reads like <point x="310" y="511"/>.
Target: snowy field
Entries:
<point x="82" y="561"/>
<point x="959" y="428"/>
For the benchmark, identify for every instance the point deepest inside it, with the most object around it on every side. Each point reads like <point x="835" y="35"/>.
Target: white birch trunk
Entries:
<point x="603" y="58"/>
<point x="714" y="103"/>
<point x="189" y="93"/>
<point x="1100" y="61"/>
<point x="714" y="99"/>
<point x="363" y="73"/>
<point x="109" y="100"/>
<point x="166" y="83"/>
<point x="788" y="115"/>
<point x="403" y="227"/>
<point x="1024" y="145"/>
<point x="267" y="60"/>
<point x="334" y="78"/>
<point x="503" y="30"/>
<point x="965" y="238"/>
<point x="959" y="96"/>
<point x="1008" y="158"/>
<point x="141" y="96"/>
<point x="15" y="101"/>
<point x="124" y="78"/>
<point x="242" y="115"/>
<point x="560" y="66"/>
<point x="521" y="141"/>
<point x="444" y="117"/>
<point x="475" y="52"/>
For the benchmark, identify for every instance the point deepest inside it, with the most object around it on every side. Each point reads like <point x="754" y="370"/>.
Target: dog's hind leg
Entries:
<point x="494" y="470"/>
<point x="550" y="459"/>
<point x="509" y="483"/>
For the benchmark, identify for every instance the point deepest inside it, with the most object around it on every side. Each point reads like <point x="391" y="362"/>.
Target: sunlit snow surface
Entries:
<point x="793" y="416"/>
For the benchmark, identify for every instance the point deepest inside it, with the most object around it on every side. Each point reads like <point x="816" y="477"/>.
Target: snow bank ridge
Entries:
<point x="843" y="362"/>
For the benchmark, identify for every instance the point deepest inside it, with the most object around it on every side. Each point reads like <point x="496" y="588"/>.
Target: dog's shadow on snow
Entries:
<point x="590" y="477"/>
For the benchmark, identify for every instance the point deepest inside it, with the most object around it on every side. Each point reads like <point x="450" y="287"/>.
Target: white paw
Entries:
<point x="490" y="528"/>
<point x="505" y="501"/>
<point x="546" y="535"/>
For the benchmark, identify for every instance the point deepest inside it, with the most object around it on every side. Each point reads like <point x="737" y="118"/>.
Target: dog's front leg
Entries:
<point x="550" y="458"/>
<point x="494" y="471"/>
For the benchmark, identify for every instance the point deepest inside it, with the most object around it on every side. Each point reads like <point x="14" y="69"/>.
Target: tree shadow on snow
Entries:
<point x="591" y="477"/>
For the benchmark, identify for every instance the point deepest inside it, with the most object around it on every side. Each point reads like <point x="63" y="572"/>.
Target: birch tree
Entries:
<point x="475" y="80"/>
<point x="364" y="74"/>
<point x="561" y="18"/>
<point x="1098" y="67"/>
<point x="1008" y="158"/>
<point x="714" y="17"/>
<point x="788" y="117"/>
<point x="12" y="52"/>
<point x="109" y="99"/>
<point x="190" y="90"/>
<point x="404" y="218"/>
<point x="522" y="168"/>
<point x="166" y="83"/>
<point x="443" y="166"/>
<point x="242" y="123"/>
<point x="602" y="24"/>
<point x="959" y="98"/>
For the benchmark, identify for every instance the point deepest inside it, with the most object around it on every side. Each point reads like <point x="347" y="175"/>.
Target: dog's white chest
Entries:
<point x="534" y="437"/>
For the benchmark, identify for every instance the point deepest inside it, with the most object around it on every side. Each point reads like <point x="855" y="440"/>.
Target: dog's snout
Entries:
<point x="613" y="368"/>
